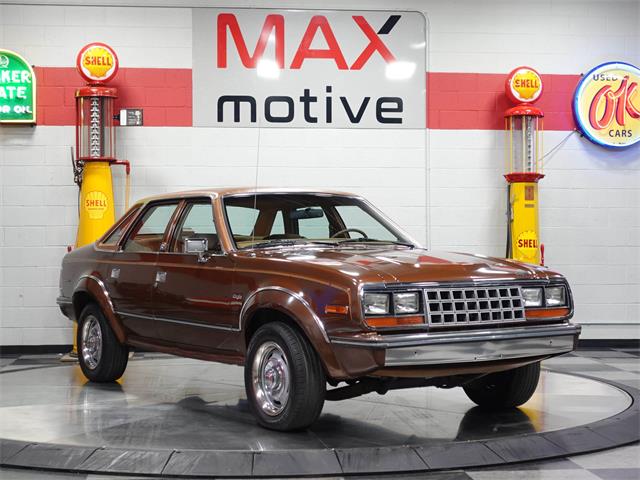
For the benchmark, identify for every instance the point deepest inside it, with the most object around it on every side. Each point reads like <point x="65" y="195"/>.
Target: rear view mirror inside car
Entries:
<point x="308" y="212"/>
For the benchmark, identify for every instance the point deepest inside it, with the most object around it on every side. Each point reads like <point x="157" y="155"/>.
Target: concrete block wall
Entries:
<point x="443" y="184"/>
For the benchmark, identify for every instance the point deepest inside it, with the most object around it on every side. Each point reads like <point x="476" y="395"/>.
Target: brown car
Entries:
<point x="317" y="294"/>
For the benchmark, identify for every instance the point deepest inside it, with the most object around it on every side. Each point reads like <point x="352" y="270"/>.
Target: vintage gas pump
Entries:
<point x="95" y="152"/>
<point x="523" y="126"/>
<point x="97" y="63"/>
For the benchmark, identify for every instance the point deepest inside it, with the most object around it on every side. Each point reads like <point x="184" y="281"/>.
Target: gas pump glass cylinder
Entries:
<point x="523" y="142"/>
<point x="96" y="137"/>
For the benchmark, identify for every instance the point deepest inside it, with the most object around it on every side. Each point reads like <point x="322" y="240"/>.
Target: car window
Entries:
<point x="267" y="219"/>
<point x="147" y="235"/>
<point x="242" y="219"/>
<point x="198" y="223"/>
<point x="114" y="237"/>
<point x="278" y="224"/>
<point x="355" y="217"/>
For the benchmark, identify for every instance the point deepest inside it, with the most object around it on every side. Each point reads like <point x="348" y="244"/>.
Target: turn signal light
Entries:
<point x="336" y="309"/>
<point x="547" y="313"/>
<point x="378" y="322"/>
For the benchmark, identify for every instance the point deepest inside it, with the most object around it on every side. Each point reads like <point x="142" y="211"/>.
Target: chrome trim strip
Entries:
<point x="479" y="351"/>
<point x="465" y="336"/>
<point x="63" y="301"/>
<point x="315" y="317"/>
<point x="180" y="322"/>
<point x="100" y="284"/>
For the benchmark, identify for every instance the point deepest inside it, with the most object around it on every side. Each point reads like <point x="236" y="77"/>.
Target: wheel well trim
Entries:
<point x="100" y="284"/>
<point x="298" y="297"/>
<point x="103" y="299"/>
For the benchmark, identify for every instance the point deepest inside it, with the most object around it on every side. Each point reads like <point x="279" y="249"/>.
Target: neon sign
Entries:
<point x="17" y="89"/>
<point x="606" y="105"/>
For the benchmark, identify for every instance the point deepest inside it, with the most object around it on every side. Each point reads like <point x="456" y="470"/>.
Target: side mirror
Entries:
<point x="199" y="246"/>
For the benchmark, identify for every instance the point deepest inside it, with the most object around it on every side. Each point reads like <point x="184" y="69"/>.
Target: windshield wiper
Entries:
<point x="273" y="243"/>
<point x="375" y="240"/>
<point x="287" y="242"/>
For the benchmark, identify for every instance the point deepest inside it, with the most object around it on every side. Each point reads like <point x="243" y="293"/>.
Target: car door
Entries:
<point x="131" y="273"/>
<point x="194" y="304"/>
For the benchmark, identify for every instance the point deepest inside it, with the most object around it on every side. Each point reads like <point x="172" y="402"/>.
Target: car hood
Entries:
<point x="402" y="265"/>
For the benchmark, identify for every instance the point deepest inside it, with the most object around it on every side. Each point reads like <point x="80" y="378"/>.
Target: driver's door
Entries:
<point x="193" y="304"/>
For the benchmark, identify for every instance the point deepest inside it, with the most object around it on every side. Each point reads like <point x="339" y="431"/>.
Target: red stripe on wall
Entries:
<point x="476" y="101"/>
<point x="455" y="101"/>
<point x="163" y="93"/>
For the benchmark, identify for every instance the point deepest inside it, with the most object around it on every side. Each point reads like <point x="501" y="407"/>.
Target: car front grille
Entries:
<point x="449" y="307"/>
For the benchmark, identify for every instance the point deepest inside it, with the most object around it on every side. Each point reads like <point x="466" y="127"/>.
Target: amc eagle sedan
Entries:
<point x="317" y="294"/>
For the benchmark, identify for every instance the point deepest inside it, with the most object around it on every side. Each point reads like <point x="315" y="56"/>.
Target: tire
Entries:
<point x="283" y="378"/>
<point x="506" y="389"/>
<point x="102" y="357"/>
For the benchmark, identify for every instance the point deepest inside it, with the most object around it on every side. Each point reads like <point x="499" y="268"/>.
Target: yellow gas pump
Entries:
<point x="523" y="126"/>
<point x="95" y="152"/>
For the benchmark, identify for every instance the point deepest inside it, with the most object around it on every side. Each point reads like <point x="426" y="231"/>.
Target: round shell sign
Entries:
<point x="524" y="85"/>
<point x="606" y="105"/>
<point x="97" y="63"/>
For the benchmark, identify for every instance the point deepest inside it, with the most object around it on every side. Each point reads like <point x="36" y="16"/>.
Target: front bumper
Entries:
<point x="429" y="349"/>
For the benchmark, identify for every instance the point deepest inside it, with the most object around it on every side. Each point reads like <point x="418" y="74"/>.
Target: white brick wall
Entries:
<point x="445" y="185"/>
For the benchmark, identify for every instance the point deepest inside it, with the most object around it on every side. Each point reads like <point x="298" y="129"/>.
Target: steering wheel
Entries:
<point x="346" y="230"/>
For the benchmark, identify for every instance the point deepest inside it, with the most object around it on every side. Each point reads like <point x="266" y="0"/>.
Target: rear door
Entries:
<point x="131" y="274"/>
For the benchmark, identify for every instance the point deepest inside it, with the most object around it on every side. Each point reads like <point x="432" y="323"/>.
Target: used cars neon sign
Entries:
<point x="606" y="105"/>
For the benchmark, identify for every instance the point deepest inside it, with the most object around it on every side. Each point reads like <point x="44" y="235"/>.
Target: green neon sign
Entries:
<point x="17" y="89"/>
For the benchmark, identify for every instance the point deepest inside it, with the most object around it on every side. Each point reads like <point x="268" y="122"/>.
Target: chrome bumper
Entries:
<point x="470" y="346"/>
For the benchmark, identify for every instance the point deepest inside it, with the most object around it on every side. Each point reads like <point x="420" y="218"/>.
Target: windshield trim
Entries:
<point x="377" y="214"/>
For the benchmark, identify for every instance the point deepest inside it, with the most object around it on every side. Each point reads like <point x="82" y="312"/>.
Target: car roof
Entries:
<point x="224" y="191"/>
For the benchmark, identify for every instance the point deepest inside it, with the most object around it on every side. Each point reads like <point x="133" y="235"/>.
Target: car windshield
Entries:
<point x="279" y="219"/>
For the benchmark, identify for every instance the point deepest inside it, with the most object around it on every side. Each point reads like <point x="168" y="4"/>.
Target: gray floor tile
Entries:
<point x="534" y="475"/>
<point x="624" y="457"/>
<point x="605" y="353"/>
<point x="617" y="473"/>
<point x="20" y="474"/>
<point x="554" y="464"/>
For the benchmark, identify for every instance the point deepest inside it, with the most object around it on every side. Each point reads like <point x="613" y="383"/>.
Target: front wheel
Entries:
<point x="102" y="357"/>
<point x="284" y="379"/>
<point x="506" y="389"/>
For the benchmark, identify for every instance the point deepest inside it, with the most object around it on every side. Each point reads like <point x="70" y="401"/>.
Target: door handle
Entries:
<point x="161" y="277"/>
<point x="115" y="273"/>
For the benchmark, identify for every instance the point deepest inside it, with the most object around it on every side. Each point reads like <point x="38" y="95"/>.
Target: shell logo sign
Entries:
<point x="527" y="243"/>
<point x="606" y="105"/>
<point x="96" y="204"/>
<point x="97" y="63"/>
<point x="524" y="85"/>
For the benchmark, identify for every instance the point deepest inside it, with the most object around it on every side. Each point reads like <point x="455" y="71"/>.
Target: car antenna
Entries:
<point x="255" y="190"/>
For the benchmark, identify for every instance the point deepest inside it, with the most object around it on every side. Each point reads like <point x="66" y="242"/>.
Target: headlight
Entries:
<point x="406" y="303"/>
<point x="376" y="303"/>
<point x="555" y="296"/>
<point x="532" y="297"/>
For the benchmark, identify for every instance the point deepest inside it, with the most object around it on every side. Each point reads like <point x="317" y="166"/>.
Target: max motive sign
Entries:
<point x="335" y="69"/>
<point x="17" y="89"/>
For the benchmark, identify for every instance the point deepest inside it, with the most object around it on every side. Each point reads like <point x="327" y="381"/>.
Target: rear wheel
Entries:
<point x="505" y="389"/>
<point x="283" y="377"/>
<point x="102" y="357"/>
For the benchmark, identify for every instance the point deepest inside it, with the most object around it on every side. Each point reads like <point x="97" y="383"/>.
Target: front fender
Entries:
<point x="300" y="311"/>
<point x="95" y="288"/>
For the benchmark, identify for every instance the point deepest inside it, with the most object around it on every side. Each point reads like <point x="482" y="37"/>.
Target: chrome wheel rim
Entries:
<point x="91" y="342"/>
<point x="271" y="378"/>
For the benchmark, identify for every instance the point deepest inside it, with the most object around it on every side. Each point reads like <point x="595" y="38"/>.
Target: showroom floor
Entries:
<point x="621" y="366"/>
